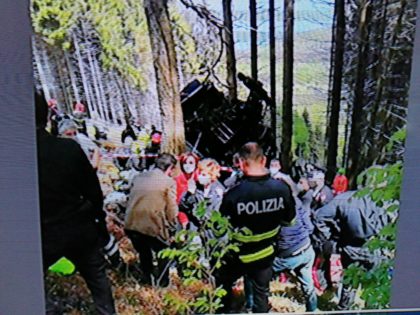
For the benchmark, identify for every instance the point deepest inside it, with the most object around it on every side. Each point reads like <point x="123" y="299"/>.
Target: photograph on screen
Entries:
<point x="216" y="156"/>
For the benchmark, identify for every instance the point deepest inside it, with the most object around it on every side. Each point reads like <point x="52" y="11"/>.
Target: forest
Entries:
<point x="331" y="77"/>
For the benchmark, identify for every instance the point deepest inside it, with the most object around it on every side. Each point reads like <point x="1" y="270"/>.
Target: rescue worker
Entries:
<point x="260" y="205"/>
<point x="351" y="221"/>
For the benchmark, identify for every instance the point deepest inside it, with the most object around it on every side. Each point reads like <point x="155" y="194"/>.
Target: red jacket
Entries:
<point x="181" y="188"/>
<point x="340" y="184"/>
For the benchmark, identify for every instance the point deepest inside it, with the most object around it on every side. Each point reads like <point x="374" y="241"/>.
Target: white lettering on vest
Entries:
<point x="262" y="206"/>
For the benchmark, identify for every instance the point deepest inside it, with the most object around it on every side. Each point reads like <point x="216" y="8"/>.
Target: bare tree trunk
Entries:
<point x="287" y="119"/>
<point x="335" y="99"/>
<point x="357" y="116"/>
<point x="72" y="77"/>
<point x="114" y="95"/>
<point x="230" y="49"/>
<point x="50" y="79"/>
<point x="130" y="101"/>
<point x="273" y="74"/>
<point x="63" y="86"/>
<point x="95" y="86"/>
<point x="42" y="77"/>
<point x="109" y="110"/>
<point x="89" y="98"/>
<point x="121" y="93"/>
<point x="254" y="47"/>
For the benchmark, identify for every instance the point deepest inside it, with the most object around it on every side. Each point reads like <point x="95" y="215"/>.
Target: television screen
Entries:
<point x="222" y="156"/>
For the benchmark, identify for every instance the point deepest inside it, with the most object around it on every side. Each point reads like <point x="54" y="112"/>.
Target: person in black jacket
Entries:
<point x="350" y="221"/>
<point x="72" y="220"/>
<point x="259" y="204"/>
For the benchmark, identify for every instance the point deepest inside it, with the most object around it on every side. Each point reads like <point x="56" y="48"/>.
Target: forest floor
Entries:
<point x="71" y="296"/>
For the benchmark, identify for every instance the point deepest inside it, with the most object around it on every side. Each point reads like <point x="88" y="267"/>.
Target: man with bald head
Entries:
<point x="260" y="204"/>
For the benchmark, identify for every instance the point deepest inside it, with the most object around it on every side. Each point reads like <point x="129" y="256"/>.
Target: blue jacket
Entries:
<point x="292" y="238"/>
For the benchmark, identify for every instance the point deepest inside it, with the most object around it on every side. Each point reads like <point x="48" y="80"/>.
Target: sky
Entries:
<point x="310" y="15"/>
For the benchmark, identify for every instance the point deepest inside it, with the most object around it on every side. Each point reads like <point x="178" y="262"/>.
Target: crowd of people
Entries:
<point x="296" y="222"/>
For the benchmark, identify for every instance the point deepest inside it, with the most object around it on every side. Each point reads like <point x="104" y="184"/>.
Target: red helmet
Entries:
<point x="156" y="138"/>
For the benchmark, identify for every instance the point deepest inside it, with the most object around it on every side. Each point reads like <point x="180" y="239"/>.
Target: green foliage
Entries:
<point x="375" y="283"/>
<point x="185" y="43"/>
<point x="382" y="184"/>
<point x="120" y="26"/>
<point x="54" y="20"/>
<point x="301" y="136"/>
<point x="200" y="260"/>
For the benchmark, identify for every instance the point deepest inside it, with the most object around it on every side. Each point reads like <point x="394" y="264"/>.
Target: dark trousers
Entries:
<point x="348" y="293"/>
<point x="82" y="248"/>
<point x="258" y="276"/>
<point x="145" y="245"/>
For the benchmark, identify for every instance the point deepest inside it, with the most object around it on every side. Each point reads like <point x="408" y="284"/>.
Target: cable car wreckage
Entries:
<point x="215" y="127"/>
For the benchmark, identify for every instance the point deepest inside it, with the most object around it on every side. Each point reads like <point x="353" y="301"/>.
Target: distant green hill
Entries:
<point x="311" y="71"/>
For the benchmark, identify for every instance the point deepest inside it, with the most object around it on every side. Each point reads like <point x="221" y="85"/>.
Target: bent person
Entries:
<point x="351" y="221"/>
<point x="152" y="214"/>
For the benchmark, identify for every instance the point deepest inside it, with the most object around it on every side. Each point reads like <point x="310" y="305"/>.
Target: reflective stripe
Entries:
<point x="258" y="255"/>
<point x="257" y="237"/>
<point x="291" y="223"/>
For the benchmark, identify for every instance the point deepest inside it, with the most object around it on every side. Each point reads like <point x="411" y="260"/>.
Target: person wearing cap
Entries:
<point x="340" y="183"/>
<point x="322" y="194"/>
<point x="67" y="128"/>
<point x="259" y="204"/>
<point x="72" y="219"/>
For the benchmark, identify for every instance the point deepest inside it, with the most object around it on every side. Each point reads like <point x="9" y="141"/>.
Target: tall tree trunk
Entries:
<point x="165" y="64"/>
<point x="131" y="102"/>
<point x="230" y="49"/>
<point x="95" y="86"/>
<point x="287" y="119"/>
<point x="335" y="99"/>
<point x="89" y="98"/>
<point x="381" y="123"/>
<point x="357" y="115"/>
<point x="63" y="86"/>
<point x="272" y="29"/>
<point x="55" y="92"/>
<point x="72" y="77"/>
<point x="95" y="95"/>
<point x="254" y="47"/>
<point x="109" y="110"/>
<point x="123" y="97"/>
<point x="41" y="72"/>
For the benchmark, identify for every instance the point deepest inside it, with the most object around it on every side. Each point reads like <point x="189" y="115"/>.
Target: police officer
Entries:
<point x="260" y="204"/>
